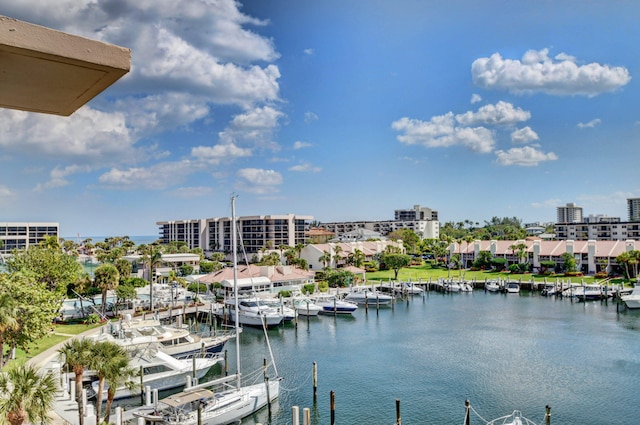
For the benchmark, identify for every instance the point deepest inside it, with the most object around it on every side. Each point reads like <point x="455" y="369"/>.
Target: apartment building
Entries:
<point x="599" y="231"/>
<point x="214" y="234"/>
<point x="426" y="229"/>
<point x="570" y="213"/>
<point x="418" y="213"/>
<point x="23" y="235"/>
<point x="633" y="209"/>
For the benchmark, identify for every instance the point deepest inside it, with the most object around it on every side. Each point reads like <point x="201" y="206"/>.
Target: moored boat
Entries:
<point x="633" y="299"/>
<point x="331" y="304"/>
<point x="365" y="295"/>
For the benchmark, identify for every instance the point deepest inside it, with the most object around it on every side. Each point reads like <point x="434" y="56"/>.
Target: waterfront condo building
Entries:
<point x="570" y="213"/>
<point x="633" y="208"/>
<point x="423" y="221"/>
<point x="23" y="235"/>
<point x="257" y="232"/>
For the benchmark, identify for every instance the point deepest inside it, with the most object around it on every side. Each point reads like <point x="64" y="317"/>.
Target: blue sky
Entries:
<point x="343" y="110"/>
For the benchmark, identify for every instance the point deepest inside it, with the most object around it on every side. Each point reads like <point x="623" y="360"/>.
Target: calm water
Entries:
<point x="500" y="351"/>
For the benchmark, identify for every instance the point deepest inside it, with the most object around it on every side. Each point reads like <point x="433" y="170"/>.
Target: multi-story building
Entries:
<point x="23" y="235"/>
<point x="192" y="232"/>
<point x="257" y="232"/>
<point x="426" y="229"/>
<point x="570" y="213"/>
<point x="633" y="208"/>
<point x="599" y="231"/>
<point x="418" y="213"/>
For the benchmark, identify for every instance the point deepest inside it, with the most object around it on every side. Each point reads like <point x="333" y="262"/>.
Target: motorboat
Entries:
<point x="591" y="292"/>
<point x="305" y="306"/>
<point x="452" y="286"/>
<point x="492" y="286"/>
<point x="515" y="418"/>
<point x="466" y="287"/>
<point x="331" y="304"/>
<point x="161" y="371"/>
<point x="252" y="311"/>
<point x="288" y="313"/>
<point x="512" y="288"/>
<point x="401" y="288"/>
<point x="178" y="342"/>
<point x="365" y="295"/>
<point x="202" y="406"/>
<point x="633" y="299"/>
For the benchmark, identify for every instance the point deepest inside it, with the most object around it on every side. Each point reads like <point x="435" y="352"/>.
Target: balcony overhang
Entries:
<point x="49" y="71"/>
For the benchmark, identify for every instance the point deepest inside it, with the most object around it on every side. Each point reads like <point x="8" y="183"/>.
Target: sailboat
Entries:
<point x="200" y="405"/>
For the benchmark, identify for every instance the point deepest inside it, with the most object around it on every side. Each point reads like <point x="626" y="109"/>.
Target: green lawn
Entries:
<point x="59" y="334"/>
<point x="426" y="272"/>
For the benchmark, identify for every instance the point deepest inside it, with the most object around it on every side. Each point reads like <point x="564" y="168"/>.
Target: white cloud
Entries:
<point x="441" y="131"/>
<point x="305" y="167"/>
<point x="502" y="113"/>
<point x="254" y="127"/>
<point x="310" y="117"/>
<point x="547" y="204"/>
<point x="258" y="181"/>
<point x="308" y="52"/>
<point x="475" y="98"/>
<point x="526" y="156"/>
<point x="524" y="135"/>
<point x="537" y="72"/>
<point x="213" y="155"/>
<point x="58" y="176"/>
<point x="156" y="177"/>
<point x="301" y="145"/>
<point x="5" y="192"/>
<point x="89" y="134"/>
<point x="590" y="124"/>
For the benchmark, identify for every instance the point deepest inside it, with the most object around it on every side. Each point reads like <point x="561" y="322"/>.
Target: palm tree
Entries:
<point x="27" y="394"/>
<point x="337" y="250"/>
<point x="325" y="259"/>
<point x="117" y="375"/>
<point x="109" y="359"/>
<point x="152" y="257"/>
<point x="106" y="278"/>
<point x="78" y="355"/>
<point x="8" y="321"/>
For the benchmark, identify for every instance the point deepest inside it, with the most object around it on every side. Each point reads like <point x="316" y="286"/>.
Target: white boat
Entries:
<point x="365" y="295"/>
<point x="452" y="286"/>
<point x="177" y="342"/>
<point x="197" y="405"/>
<point x="288" y="313"/>
<point x="400" y="288"/>
<point x="305" y="306"/>
<point x="515" y="418"/>
<point x="251" y="311"/>
<point x="591" y="292"/>
<point x="512" y="287"/>
<point x="161" y="371"/>
<point x="331" y="304"/>
<point x="633" y="299"/>
<point x="492" y="286"/>
<point x="466" y="287"/>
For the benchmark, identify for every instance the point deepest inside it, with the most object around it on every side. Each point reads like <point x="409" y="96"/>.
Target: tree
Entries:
<point x="124" y="267"/>
<point x="36" y="309"/>
<point x="337" y="250"/>
<point x="118" y="373"/>
<point x="395" y="262"/>
<point x="109" y="359"/>
<point x="152" y="257"/>
<point x="483" y="261"/>
<point x="569" y="263"/>
<point x="47" y="264"/>
<point x="325" y="259"/>
<point x="8" y="321"/>
<point x="26" y="394"/>
<point x="78" y="355"/>
<point x="106" y="277"/>
<point x="408" y="237"/>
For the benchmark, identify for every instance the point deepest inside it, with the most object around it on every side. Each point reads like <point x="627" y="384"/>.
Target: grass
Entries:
<point x="427" y="271"/>
<point x="59" y="333"/>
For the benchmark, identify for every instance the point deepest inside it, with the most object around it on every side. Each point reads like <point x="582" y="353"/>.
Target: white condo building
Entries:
<point x="23" y="235"/>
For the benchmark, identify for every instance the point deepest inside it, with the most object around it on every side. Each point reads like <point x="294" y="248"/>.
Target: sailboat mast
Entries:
<point x="234" y="256"/>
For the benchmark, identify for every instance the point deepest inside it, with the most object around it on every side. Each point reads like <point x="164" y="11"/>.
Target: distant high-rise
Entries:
<point x="633" y="207"/>
<point x="569" y="214"/>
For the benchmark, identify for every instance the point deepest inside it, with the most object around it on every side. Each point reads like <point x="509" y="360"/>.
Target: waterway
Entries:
<point x="502" y="352"/>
